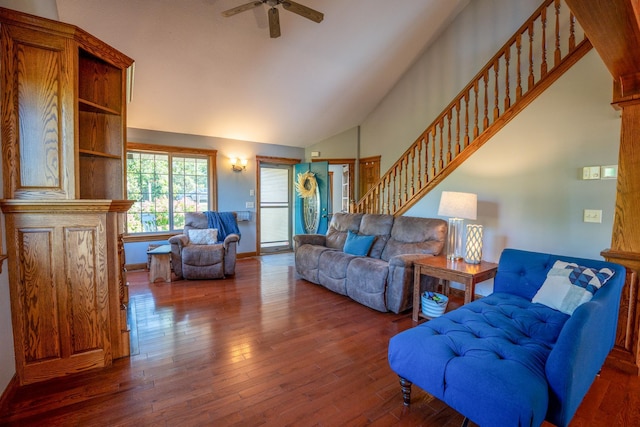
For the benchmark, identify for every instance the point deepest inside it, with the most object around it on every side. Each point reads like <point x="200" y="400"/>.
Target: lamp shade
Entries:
<point x="458" y="205"/>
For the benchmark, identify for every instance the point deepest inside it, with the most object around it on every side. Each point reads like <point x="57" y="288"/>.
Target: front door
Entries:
<point x="311" y="197"/>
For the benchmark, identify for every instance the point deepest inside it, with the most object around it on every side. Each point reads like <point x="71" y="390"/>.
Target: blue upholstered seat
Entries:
<point x="505" y="361"/>
<point x="493" y="335"/>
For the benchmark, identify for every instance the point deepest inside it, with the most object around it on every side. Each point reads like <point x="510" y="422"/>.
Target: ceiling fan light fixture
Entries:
<point x="274" y="18"/>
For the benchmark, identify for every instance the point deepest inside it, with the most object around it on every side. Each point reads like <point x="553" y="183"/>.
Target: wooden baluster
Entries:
<point x="413" y="169"/>
<point x="374" y="197"/>
<point x="507" y="92"/>
<point x="476" y="110"/>
<point x="427" y="133"/>
<point x="531" y="77"/>
<point x="449" y="138"/>
<point x="572" y="32"/>
<point x="457" y="127"/>
<point x="486" y="100"/>
<point x="433" y="153"/>
<point x="389" y="193"/>
<point x="519" y="73"/>
<point x="496" y="91"/>
<point x="466" y="119"/>
<point x="420" y="163"/>
<point x="404" y="165"/>
<point x="393" y="189"/>
<point x="441" y="161"/>
<point x="557" y="54"/>
<point x="543" y="21"/>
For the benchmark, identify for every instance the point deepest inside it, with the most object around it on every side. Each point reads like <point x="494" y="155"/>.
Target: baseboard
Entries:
<point x="245" y="255"/>
<point x="134" y="267"/>
<point x="8" y="394"/>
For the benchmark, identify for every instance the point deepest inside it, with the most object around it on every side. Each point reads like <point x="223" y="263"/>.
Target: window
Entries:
<point x="166" y="182"/>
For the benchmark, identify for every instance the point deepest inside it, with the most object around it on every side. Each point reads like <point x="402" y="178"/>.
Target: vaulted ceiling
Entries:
<point x="197" y="72"/>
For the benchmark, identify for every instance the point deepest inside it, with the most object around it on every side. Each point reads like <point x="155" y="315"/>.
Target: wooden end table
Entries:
<point x="450" y="271"/>
<point x="160" y="265"/>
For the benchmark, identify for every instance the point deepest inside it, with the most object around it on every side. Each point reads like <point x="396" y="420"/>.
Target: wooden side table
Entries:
<point x="450" y="271"/>
<point x="160" y="266"/>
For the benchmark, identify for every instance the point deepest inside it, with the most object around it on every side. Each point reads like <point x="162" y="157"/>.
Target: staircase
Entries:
<point x="540" y="51"/>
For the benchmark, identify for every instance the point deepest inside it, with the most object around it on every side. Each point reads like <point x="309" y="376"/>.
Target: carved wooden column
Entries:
<point x="625" y="240"/>
<point x="613" y="27"/>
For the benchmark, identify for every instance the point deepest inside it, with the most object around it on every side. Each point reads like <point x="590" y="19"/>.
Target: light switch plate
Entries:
<point x="591" y="172"/>
<point x="250" y="205"/>
<point x="593" y="215"/>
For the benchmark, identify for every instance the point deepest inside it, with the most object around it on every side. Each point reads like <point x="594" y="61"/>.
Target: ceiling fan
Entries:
<point x="274" y="17"/>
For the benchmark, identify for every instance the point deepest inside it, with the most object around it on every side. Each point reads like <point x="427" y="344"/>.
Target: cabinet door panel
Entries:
<point x="37" y="296"/>
<point x="38" y="115"/>
<point x="62" y="294"/>
<point x="87" y="295"/>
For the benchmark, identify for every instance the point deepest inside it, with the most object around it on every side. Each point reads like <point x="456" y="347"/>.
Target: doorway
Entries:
<point x="275" y="208"/>
<point x="274" y="204"/>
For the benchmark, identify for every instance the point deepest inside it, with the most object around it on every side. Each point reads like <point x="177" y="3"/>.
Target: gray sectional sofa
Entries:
<point x="383" y="278"/>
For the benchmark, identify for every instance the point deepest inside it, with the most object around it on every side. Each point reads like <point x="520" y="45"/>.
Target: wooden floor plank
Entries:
<point x="263" y="348"/>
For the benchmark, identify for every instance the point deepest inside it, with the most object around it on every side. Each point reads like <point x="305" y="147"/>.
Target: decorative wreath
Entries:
<point x="306" y="184"/>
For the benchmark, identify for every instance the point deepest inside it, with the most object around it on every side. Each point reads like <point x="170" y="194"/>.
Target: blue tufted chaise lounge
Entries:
<point x="505" y="361"/>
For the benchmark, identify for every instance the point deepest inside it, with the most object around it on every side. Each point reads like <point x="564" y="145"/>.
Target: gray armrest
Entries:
<point x="309" y="239"/>
<point x="179" y="239"/>
<point x="231" y="238"/>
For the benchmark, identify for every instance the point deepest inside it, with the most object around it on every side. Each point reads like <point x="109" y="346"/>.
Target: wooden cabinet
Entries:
<point x="63" y="130"/>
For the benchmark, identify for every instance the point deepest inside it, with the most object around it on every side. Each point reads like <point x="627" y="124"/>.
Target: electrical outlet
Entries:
<point x="249" y="205"/>
<point x="593" y="215"/>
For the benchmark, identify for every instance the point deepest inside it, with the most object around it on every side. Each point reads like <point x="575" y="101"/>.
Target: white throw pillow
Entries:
<point x="203" y="236"/>
<point x="569" y="285"/>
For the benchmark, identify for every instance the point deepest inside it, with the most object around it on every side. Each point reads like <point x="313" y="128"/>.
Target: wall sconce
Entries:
<point x="238" y="165"/>
<point x="458" y="207"/>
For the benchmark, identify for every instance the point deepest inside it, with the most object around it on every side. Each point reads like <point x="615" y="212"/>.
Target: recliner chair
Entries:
<point x="202" y="261"/>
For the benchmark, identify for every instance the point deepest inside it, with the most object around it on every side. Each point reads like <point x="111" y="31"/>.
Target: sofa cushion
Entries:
<point x="411" y="235"/>
<point x="332" y="270"/>
<point x="494" y="349"/>
<point x="378" y="225"/>
<point x="307" y="261"/>
<point x="357" y="244"/>
<point x="202" y="255"/>
<point x="338" y="227"/>
<point x="569" y="285"/>
<point x="367" y="282"/>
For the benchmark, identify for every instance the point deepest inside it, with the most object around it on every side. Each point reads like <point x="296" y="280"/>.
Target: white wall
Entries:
<point x="341" y="146"/>
<point x="233" y="187"/>
<point x="44" y="8"/>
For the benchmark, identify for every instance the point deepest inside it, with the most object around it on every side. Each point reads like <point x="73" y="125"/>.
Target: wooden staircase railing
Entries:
<point x="514" y="77"/>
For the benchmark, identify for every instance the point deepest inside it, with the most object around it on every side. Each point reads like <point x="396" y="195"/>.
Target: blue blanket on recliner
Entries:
<point x="225" y="222"/>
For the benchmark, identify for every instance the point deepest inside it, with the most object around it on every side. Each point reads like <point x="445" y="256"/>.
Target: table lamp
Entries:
<point x="458" y="207"/>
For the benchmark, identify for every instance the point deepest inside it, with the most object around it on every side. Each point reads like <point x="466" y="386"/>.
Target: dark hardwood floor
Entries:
<point x="263" y="348"/>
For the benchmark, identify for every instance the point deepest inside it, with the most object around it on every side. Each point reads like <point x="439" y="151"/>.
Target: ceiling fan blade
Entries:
<point x="301" y="10"/>
<point x="274" y="23"/>
<point x="242" y="8"/>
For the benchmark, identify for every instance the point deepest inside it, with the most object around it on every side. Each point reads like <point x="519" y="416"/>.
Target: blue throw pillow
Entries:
<point x="357" y="244"/>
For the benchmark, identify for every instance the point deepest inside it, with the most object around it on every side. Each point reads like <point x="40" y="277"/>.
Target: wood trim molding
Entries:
<point x="8" y="393"/>
<point x="148" y="237"/>
<point x="277" y="160"/>
<point x="169" y="149"/>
